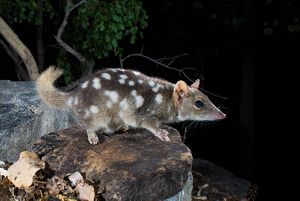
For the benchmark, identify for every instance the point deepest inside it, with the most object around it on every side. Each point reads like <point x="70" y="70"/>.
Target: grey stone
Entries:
<point x="24" y="118"/>
<point x="186" y="193"/>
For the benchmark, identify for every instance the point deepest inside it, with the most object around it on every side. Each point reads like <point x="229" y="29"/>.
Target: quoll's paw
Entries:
<point x="162" y="134"/>
<point x="124" y="128"/>
<point x="92" y="138"/>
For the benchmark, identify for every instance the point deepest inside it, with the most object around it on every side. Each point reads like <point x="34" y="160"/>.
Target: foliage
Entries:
<point x="105" y="24"/>
<point x="62" y="61"/>
<point x="95" y="29"/>
<point x="18" y="11"/>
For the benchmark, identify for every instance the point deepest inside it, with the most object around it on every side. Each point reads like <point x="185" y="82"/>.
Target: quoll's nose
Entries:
<point x="218" y="115"/>
<point x="222" y="115"/>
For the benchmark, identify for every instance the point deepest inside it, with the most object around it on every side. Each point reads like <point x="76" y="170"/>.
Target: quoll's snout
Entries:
<point x="217" y="115"/>
<point x="222" y="115"/>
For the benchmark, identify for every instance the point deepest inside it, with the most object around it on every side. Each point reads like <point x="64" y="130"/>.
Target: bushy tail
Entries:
<point x="46" y="90"/>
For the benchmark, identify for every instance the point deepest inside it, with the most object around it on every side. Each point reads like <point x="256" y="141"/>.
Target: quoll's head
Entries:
<point x="192" y="104"/>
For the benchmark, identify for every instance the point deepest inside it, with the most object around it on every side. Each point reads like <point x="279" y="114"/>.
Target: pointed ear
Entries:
<point x="180" y="91"/>
<point x="196" y="84"/>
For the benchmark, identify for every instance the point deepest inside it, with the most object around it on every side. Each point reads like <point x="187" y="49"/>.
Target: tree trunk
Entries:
<point x="20" y="48"/>
<point x="21" y="72"/>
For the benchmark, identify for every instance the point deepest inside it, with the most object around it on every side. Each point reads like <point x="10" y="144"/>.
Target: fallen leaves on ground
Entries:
<point x="30" y="178"/>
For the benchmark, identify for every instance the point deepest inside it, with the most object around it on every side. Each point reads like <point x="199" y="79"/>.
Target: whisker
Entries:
<point x="223" y="107"/>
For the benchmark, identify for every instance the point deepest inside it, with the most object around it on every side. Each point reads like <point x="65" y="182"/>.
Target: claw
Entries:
<point x="124" y="128"/>
<point x="162" y="134"/>
<point x="92" y="137"/>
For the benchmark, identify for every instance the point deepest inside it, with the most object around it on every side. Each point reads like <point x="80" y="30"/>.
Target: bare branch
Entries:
<point x="69" y="9"/>
<point x="172" y="58"/>
<point x="76" y="5"/>
<point x="20" y="49"/>
<point x="21" y="72"/>
<point x="158" y="63"/>
<point x="121" y="63"/>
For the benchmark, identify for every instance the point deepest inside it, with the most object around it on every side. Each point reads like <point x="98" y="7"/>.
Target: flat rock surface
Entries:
<point x="128" y="166"/>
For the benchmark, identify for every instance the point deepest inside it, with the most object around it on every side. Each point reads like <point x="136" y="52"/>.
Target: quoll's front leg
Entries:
<point x="92" y="137"/>
<point x="151" y="123"/>
<point x="162" y="134"/>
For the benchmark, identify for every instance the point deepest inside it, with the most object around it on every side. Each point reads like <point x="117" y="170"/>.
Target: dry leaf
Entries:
<point x="22" y="171"/>
<point x="3" y="172"/>
<point x="85" y="192"/>
<point x="57" y="185"/>
<point x="76" y="178"/>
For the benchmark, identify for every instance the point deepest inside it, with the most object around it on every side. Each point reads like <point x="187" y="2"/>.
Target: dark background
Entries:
<point x="243" y="51"/>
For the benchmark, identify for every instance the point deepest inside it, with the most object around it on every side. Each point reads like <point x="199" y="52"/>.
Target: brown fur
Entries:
<point x="98" y="102"/>
<point x="47" y="91"/>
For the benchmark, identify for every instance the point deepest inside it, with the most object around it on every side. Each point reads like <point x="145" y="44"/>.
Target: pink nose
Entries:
<point x="222" y="115"/>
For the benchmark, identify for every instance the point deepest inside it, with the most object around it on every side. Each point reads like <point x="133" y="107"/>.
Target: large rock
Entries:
<point x="130" y="166"/>
<point x="219" y="183"/>
<point x="24" y="118"/>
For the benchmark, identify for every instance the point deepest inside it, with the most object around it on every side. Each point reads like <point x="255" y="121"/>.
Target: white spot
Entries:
<point x="139" y="100"/>
<point x="85" y="84"/>
<point x="140" y="81"/>
<point x="130" y="83"/>
<point x="94" y="109"/>
<point x="109" y="103"/>
<point x="113" y="70"/>
<point x="87" y="113"/>
<point x="96" y="83"/>
<point x="133" y="93"/>
<point x="151" y="83"/>
<point x="157" y="87"/>
<point x="76" y="100"/>
<point x="121" y="81"/>
<point x="136" y="72"/>
<point x="169" y="109"/>
<point x="160" y="86"/>
<point x="106" y="76"/>
<point x="123" y="104"/>
<point x="113" y="95"/>
<point x="70" y="101"/>
<point x="158" y="98"/>
<point x="123" y="76"/>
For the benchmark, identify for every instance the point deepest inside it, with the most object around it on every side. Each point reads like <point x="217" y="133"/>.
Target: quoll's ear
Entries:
<point x="181" y="90"/>
<point x="196" y="84"/>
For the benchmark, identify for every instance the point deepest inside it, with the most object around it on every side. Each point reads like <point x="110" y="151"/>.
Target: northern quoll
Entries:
<point x="114" y="99"/>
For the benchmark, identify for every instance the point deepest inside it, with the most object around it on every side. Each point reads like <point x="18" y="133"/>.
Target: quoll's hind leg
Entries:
<point x="92" y="137"/>
<point x="123" y="128"/>
<point x="92" y="125"/>
<point x="91" y="133"/>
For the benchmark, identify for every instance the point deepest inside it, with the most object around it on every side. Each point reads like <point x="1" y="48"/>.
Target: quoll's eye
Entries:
<point x="199" y="104"/>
